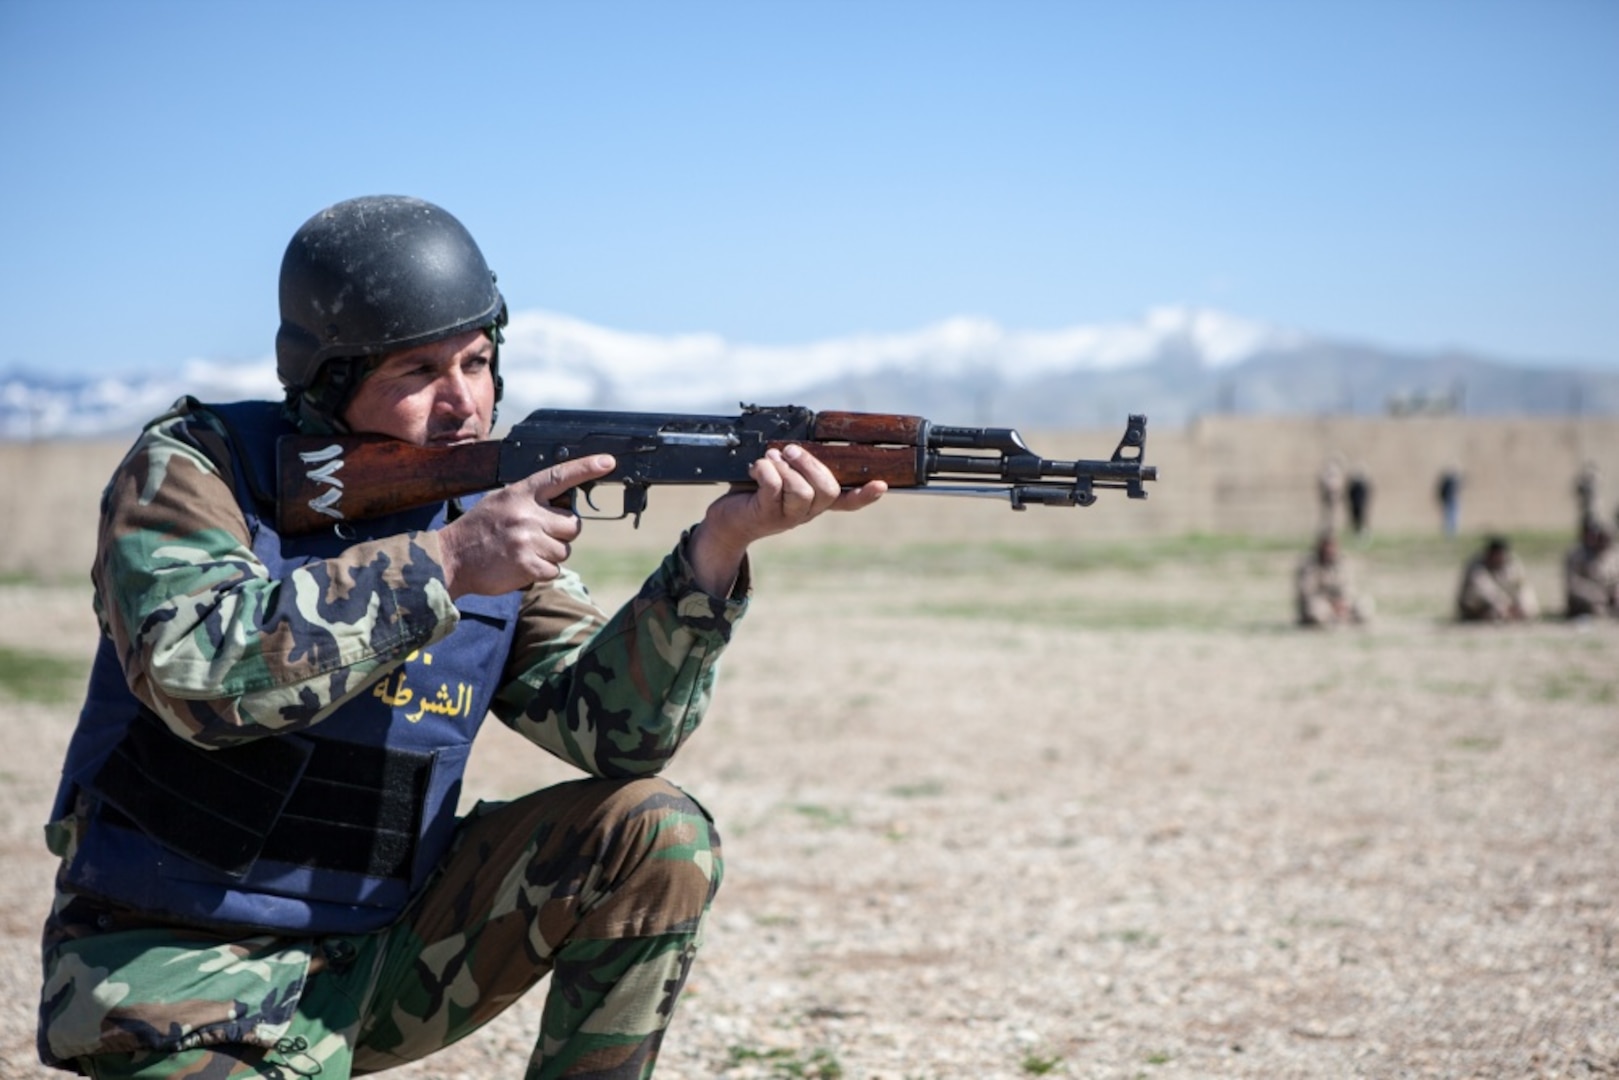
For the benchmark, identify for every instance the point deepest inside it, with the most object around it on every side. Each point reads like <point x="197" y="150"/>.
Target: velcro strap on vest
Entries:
<point x="213" y="806"/>
<point x="292" y="799"/>
<point x="357" y="808"/>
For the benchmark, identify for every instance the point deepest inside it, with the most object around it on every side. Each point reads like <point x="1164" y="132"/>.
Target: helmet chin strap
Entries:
<point x="331" y="391"/>
<point x="499" y="339"/>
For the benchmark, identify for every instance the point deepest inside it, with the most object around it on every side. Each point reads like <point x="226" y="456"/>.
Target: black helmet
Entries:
<point x="374" y="275"/>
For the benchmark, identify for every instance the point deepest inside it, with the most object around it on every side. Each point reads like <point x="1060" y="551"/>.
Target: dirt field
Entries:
<point x="1016" y="795"/>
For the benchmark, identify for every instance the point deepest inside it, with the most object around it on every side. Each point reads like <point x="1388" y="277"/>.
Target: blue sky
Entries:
<point x="1415" y="173"/>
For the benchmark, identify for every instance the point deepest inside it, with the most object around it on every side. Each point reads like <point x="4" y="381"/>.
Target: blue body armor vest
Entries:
<point x="329" y="830"/>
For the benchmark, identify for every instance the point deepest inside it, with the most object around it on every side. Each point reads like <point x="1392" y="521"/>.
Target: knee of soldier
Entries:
<point x="658" y="834"/>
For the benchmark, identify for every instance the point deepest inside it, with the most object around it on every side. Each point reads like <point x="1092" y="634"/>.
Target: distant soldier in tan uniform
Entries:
<point x="1325" y="589"/>
<point x="1329" y="487"/>
<point x="1494" y="588"/>
<point x="1591" y="573"/>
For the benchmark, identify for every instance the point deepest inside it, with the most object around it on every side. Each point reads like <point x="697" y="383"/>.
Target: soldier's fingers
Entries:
<point x="861" y="497"/>
<point x="767" y="478"/>
<point x="822" y="483"/>
<point x="798" y="494"/>
<point x="547" y="484"/>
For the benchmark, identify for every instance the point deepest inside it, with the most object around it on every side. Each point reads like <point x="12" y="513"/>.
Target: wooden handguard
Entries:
<point x="855" y="465"/>
<point x="869" y="429"/>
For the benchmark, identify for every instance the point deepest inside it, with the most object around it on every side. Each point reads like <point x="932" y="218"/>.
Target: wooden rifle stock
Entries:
<point x="324" y="480"/>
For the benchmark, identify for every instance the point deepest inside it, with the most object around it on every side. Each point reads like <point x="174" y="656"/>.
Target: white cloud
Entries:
<point x="572" y="363"/>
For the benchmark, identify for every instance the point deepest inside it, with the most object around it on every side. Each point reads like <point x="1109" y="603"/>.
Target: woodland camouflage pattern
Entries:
<point x="604" y="881"/>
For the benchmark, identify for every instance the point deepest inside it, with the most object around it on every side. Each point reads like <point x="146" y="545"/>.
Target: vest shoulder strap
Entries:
<point x="253" y="428"/>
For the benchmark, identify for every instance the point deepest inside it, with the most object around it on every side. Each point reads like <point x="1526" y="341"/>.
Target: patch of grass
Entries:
<point x="612" y="568"/>
<point x="1085" y="615"/>
<point x="1040" y="1065"/>
<point x="32" y="676"/>
<point x="1479" y="743"/>
<point x="1162" y="1057"/>
<point x="1577" y="686"/>
<point x="920" y="790"/>
<point x="1454" y="688"/>
<point x="825" y="817"/>
<point x="1411" y="607"/>
<point x="775" y="920"/>
<point x="1230" y="554"/>
<point x="1145" y="938"/>
<point x="1411" y="549"/>
<point x="821" y="1064"/>
<point x="1136" y="556"/>
<point x="1324" y="685"/>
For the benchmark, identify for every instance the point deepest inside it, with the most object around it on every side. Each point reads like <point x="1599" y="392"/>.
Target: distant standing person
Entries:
<point x="1324" y="588"/>
<point x="1330" y="489"/>
<point x="1586" y="482"/>
<point x="1359" y="494"/>
<point x="1591" y="573"/>
<point x="1494" y="587"/>
<point x="1449" y="493"/>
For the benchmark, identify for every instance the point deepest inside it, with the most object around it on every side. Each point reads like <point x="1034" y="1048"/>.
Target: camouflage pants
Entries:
<point x="603" y="884"/>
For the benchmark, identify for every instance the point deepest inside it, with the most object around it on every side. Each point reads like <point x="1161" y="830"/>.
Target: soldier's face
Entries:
<point x="437" y="394"/>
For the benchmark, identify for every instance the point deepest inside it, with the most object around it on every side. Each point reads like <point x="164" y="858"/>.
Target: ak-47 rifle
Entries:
<point x="327" y="479"/>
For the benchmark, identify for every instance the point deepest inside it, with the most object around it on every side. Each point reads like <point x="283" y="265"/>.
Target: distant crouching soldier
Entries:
<point x="1324" y="588"/>
<point x="1494" y="587"/>
<point x="1591" y="573"/>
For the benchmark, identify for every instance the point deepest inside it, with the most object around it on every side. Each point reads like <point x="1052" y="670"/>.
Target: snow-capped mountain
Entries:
<point x="1173" y="364"/>
<point x="572" y="363"/>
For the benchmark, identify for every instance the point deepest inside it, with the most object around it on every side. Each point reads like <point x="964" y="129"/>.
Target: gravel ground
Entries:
<point x="1006" y="815"/>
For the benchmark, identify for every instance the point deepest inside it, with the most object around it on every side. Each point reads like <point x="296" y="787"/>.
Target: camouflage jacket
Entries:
<point x="186" y="603"/>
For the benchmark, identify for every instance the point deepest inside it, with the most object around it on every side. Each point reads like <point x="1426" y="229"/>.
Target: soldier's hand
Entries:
<point x="791" y="488"/>
<point x="517" y="535"/>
